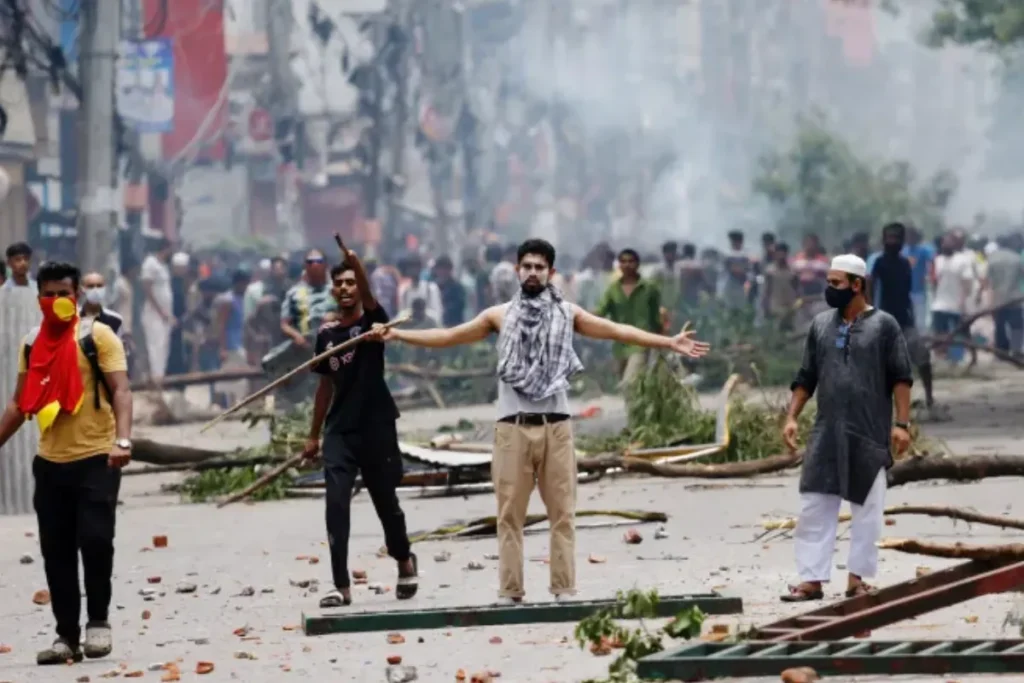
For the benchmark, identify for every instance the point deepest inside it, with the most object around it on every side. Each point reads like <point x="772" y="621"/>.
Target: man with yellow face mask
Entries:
<point x="72" y="378"/>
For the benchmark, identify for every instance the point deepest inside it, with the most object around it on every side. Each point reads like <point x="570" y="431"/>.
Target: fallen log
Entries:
<point x="487" y="526"/>
<point x="969" y="516"/>
<point x="974" y="346"/>
<point x="1011" y="552"/>
<point x="725" y="470"/>
<point x="191" y="378"/>
<point x="965" y="325"/>
<point x="955" y="468"/>
<point x="155" y="453"/>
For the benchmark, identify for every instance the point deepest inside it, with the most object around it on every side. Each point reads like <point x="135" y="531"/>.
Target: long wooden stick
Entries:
<point x="969" y="516"/>
<point x="341" y="245"/>
<point x="308" y="364"/>
<point x="262" y="481"/>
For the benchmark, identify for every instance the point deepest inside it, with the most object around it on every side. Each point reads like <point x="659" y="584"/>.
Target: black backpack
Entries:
<point x="88" y="346"/>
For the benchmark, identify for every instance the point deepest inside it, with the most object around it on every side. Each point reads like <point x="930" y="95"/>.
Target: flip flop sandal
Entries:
<point x="802" y="594"/>
<point x="859" y="590"/>
<point x="334" y="599"/>
<point x="408" y="584"/>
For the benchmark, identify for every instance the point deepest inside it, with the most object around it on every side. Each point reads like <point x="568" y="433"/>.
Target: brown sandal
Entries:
<point x="803" y="593"/>
<point x="859" y="590"/>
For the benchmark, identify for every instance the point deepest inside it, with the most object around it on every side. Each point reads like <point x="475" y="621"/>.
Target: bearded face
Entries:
<point x="534" y="274"/>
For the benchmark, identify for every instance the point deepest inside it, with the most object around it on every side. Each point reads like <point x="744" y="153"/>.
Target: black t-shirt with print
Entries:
<point x="361" y="396"/>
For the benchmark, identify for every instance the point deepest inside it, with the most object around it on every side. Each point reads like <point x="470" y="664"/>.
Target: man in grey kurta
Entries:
<point x="856" y="361"/>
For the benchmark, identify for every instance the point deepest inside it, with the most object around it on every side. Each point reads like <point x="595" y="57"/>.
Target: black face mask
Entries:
<point x="838" y="298"/>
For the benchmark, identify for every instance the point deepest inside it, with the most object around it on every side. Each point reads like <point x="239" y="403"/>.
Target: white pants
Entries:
<point x="158" y="342"/>
<point x="816" y="533"/>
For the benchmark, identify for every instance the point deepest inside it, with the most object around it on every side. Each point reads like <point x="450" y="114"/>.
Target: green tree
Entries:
<point x="822" y="185"/>
<point x="992" y="24"/>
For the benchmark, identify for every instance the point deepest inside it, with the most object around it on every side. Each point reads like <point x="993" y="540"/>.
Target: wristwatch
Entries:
<point x="125" y="444"/>
<point x="902" y="425"/>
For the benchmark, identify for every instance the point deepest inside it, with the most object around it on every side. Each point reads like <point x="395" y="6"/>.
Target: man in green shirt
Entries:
<point x="631" y="300"/>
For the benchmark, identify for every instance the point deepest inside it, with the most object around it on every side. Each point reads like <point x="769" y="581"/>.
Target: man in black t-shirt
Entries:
<point x="360" y="436"/>
<point x="891" y="280"/>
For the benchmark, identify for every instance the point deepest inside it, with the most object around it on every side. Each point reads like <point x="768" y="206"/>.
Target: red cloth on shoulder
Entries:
<point x="53" y="383"/>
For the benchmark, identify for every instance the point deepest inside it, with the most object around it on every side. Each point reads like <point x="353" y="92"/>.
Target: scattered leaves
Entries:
<point x="41" y="597"/>
<point x="159" y="541"/>
<point x="204" y="667"/>
<point x="602" y="633"/>
<point x="395" y="639"/>
<point x="596" y="559"/>
<point x="394" y="659"/>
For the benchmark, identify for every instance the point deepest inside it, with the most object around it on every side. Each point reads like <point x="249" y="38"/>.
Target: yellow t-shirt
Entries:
<point x="90" y="431"/>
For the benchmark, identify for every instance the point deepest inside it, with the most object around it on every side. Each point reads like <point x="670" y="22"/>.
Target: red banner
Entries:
<point x="196" y="31"/>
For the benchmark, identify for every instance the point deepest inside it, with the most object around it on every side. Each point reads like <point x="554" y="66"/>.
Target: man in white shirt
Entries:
<point x="953" y="278"/>
<point x="157" y="313"/>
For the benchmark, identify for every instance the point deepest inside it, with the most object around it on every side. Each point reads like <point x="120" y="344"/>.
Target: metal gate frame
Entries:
<point x="497" y="615"/>
<point x="704" y="661"/>
<point x="813" y="639"/>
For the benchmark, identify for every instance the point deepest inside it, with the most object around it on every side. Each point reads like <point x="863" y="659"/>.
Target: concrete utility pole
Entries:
<point x="377" y="132"/>
<point x="284" y="108"/>
<point x="133" y="30"/>
<point x="101" y="30"/>
<point x="400" y="11"/>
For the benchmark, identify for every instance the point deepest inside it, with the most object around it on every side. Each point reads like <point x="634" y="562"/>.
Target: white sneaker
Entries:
<point x="510" y="602"/>
<point x="98" y="640"/>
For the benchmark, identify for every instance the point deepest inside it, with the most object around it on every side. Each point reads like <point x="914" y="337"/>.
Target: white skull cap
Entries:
<point x="850" y="264"/>
<point x="180" y="259"/>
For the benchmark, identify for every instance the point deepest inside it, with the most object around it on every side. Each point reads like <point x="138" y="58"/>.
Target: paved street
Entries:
<point x="712" y="526"/>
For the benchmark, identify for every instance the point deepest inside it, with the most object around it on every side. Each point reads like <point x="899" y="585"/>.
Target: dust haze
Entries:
<point x="700" y="90"/>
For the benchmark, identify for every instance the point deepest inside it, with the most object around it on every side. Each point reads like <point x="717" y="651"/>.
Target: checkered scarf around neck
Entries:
<point x="535" y="354"/>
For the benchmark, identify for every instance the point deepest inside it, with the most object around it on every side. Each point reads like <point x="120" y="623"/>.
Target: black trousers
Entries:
<point x="76" y="506"/>
<point x="372" y="453"/>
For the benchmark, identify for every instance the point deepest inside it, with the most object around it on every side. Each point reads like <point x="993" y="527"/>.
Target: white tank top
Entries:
<point x="511" y="402"/>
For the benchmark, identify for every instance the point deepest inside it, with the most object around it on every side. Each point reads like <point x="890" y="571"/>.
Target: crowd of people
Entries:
<point x="207" y="311"/>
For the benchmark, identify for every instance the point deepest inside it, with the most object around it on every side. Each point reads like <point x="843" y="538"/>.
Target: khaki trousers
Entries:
<point x="544" y="454"/>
